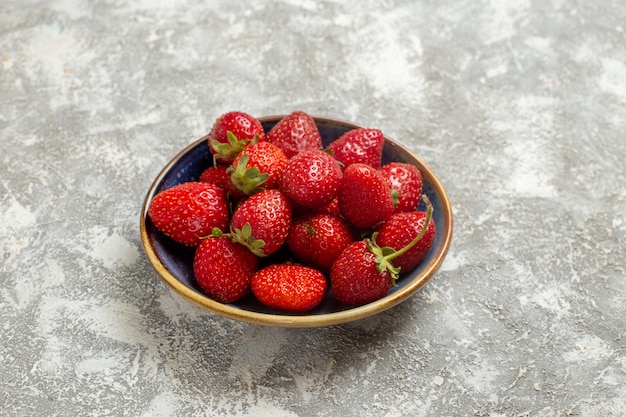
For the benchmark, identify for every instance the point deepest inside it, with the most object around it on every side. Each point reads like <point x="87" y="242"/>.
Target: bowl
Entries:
<point x="174" y="262"/>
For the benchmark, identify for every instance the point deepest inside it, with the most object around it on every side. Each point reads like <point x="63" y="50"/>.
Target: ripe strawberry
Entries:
<point x="295" y="133"/>
<point x="231" y="132"/>
<point x="365" y="271"/>
<point x="317" y="240"/>
<point x="400" y="230"/>
<point x="258" y="166"/>
<point x="331" y="208"/>
<point x="262" y="222"/>
<point x="219" y="176"/>
<point x="289" y="287"/>
<point x="406" y="179"/>
<point x="223" y="268"/>
<point x="311" y="179"/>
<point x="189" y="211"/>
<point x="359" y="146"/>
<point x="365" y="197"/>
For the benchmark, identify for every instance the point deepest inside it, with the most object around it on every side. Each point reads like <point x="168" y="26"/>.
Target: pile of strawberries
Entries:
<point x="281" y="217"/>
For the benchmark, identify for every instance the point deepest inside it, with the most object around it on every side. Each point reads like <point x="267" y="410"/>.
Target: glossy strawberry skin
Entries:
<point x="363" y="145"/>
<point x="311" y="179"/>
<point x="401" y="229"/>
<point x="354" y="277"/>
<point x="267" y="158"/>
<point x="189" y="211"/>
<point x="244" y="126"/>
<point x="269" y="214"/>
<point x="364" y="196"/>
<point x="223" y="269"/>
<point x="289" y="287"/>
<point x="295" y="133"/>
<point x="317" y="240"/>
<point x="406" y="179"/>
<point x="219" y="176"/>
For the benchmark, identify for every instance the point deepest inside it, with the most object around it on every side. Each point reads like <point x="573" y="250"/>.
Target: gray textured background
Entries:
<point x="518" y="106"/>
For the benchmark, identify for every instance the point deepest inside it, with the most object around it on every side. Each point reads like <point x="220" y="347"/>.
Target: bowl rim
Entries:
<point x="313" y="320"/>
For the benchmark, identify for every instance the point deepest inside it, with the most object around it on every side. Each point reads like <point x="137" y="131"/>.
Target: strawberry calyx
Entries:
<point x="227" y="151"/>
<point x="244" y="236"/>
<point x="386" y="254"/>
<point x="248" y="180"/>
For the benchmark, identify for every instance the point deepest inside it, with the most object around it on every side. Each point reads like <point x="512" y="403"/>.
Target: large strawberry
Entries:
<point x="189" y="211"/>
<point x="231" y="132"/>
<point x="262" y="222"/>
<point x="406" y="179"/>
<point x="362" y="145"/>
<point x="311" y="179"/>
<point x="223" y="268"/>
<point x="258" y="166"/>
<point x="400" y="230"/>
<point x="295" y="133"/>
<point x="219" y="175"/>
<point x="365" y="196"/>
<point x="317" y="240"/>
<point x="289" y="287"/>
<point x="365" y="271"/>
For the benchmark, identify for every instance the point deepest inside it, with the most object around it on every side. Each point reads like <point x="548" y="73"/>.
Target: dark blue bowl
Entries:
<point x="173" y="262"/>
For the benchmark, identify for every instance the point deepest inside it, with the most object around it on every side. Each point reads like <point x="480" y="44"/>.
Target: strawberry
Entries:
<point x="331" y="208"/>
<point x="289" y="287"/>
<point x="400" y="230"/>
<point x="223" y="268"/>
<point x="219" y="176"/>
<point x="365" y="197"/>
<point x="365" y="271"/>
<point x="295" y="133"/>
<point x="406" y="179"/>
<point x="362" y="145"/>
<point x="317" y="240"/>
<point x="258" y="166"/>
<point x="231" y="132"/>
<point x="262" y="222"/>
<point x="311" y="179"/>
<point x="189" y="211"/>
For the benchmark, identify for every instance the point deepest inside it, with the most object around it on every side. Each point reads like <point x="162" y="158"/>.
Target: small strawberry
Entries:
<point x="331" y="208"/>
<point x="231" y="132"/>
<point x="362" y="145"/>
<point x="189" y="211"/>
<point x="365" y="196"/>
<point x="219" y="176"/>
<point x="365" y="272"/>
<point x="258" y="166"/>
<point x="400" y="230"/>
<point x="318" y="240"/>
<point x="311" y="179"/>
<point x="406" y="179"/>
<point x="223" y="268"/>
<point x="295" y="133"/>
<point x="289" y="287"/>
<point x="262" y="222"/>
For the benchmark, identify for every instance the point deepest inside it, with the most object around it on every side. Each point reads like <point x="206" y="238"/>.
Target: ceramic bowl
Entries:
<point x="173" y="262"/>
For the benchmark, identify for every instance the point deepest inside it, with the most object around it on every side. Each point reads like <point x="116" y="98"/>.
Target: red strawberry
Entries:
<point x="311" y="179"/>
<point x="262" y="222"/>
<point x="406" y="179"/>
<point x="189" y="211"/>
<point x="231" y="132"/>
<point x="219" y="176"/>
<point x="365" y="197"/>
<point x="258" y="167"/>
<point x="318" y="240"/>
<point x="223" y="268"/>
<point x="331" y="208"/>
<point x="359" y="146"/>
<point x="289" y="287"/>
<point x="365" y="271"/>
<point x="400" y="230"/>
<point x="295" y="133"/>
